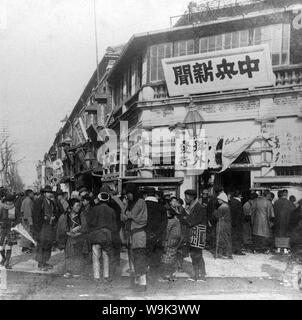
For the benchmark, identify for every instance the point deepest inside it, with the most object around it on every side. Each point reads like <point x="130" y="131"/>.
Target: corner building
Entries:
<point x="269" y="114"/>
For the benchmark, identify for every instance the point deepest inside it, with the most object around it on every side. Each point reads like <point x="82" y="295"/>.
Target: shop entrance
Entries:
<point x="232" y="180"/>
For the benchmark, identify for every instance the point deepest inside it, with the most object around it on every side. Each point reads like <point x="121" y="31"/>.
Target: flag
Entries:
<point x="20" y="229"/>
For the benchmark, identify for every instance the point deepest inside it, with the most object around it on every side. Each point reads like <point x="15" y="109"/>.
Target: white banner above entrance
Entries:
<point x="240" y="68"/>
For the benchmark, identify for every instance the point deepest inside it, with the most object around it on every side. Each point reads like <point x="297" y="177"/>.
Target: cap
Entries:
<point x="83" y="189"/>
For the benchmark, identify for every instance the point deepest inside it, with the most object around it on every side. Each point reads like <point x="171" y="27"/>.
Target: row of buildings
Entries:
<point x="231" y="73"/>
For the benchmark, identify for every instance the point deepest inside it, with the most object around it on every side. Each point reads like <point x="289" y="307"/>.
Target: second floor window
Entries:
<point x="183" y="48"/>
<point x="277" y="36"/>
<point x="157" y="53"/>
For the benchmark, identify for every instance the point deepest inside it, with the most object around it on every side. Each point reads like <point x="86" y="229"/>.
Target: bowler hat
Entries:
<point x="149" y="191"/>
<point x="48" y="189"/>
<point x="191" y="192"/>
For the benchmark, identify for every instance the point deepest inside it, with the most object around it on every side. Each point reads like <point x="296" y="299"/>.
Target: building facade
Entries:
<point x="141" y="96"/>
<point x="252" y="128"/>
<point x="71" y="160"/>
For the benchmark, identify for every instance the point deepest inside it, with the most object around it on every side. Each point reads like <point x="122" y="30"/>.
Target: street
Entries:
<point x="252" y="277"/>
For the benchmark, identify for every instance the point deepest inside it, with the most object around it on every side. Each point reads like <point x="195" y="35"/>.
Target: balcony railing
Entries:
<point x="290" y="75"/>
<point x="285" y="76"/>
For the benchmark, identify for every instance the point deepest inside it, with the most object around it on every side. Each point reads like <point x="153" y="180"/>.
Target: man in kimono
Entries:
<point x="196" y="219"/>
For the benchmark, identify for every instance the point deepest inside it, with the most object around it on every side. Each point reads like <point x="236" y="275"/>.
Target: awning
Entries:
<point x="153" y="181"/>
<point x="279" y="179"/>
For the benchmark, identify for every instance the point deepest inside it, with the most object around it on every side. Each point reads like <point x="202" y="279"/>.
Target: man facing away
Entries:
<point x="27" y="220"/>
<point x="262" y="218"/>
<point x="247" y="224"/>
<point x="197" y="217"/>
<point x="282" y="209"/>
<point x="237" y="222"/>
<point x="101" y="226"/>
<point x="156" y="225"/>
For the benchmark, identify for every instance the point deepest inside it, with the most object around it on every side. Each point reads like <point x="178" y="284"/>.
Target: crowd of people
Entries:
<point x="158" y="231"/>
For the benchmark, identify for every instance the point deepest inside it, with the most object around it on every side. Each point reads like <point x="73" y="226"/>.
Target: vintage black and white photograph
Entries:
<point x="150" y="150"/>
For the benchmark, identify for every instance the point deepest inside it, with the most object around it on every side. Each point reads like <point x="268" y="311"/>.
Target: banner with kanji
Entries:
<point x="287" y="149"/>
<point x="80" y="130"/>
<point x="247" y="67"/>
<point x="191" y="152"/>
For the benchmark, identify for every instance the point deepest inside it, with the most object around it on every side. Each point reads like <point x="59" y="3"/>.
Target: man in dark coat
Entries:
<point x="116" y="240"/>
<point x="18" y="204"/>
<point x="283" y="209"/>
<point x="197" y="221"/>
<point x="45" y="220"/>
<point x="115" y="203"/>
<point x="237" y="217"/>
<point x="37" y="214"/>
<point x="156" y="225"/>
<point x="295" y="228"/>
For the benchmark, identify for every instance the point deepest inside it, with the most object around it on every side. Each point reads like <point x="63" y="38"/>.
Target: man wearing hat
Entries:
<point x="62" y="202"/>
<point x="135" y="219"/>
<point x="101" y="225"/>
<point x="83" y="191"/>
<point x="196" y="219"/>
<point x="116" y="204"/>
<point x="45" y="226"/>
<point x="156" y="227"/>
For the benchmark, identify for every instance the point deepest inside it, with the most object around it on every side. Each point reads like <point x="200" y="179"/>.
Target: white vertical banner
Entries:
<point x="191" y="152"/>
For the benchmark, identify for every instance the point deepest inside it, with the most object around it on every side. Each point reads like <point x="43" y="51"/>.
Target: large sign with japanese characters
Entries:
<point x="241" y="68"/>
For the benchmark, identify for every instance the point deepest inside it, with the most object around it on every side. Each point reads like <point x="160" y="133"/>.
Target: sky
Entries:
<point x="47" y="56"/>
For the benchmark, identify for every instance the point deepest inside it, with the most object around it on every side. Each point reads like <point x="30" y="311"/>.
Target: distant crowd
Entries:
<point x="158" y="231"/>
